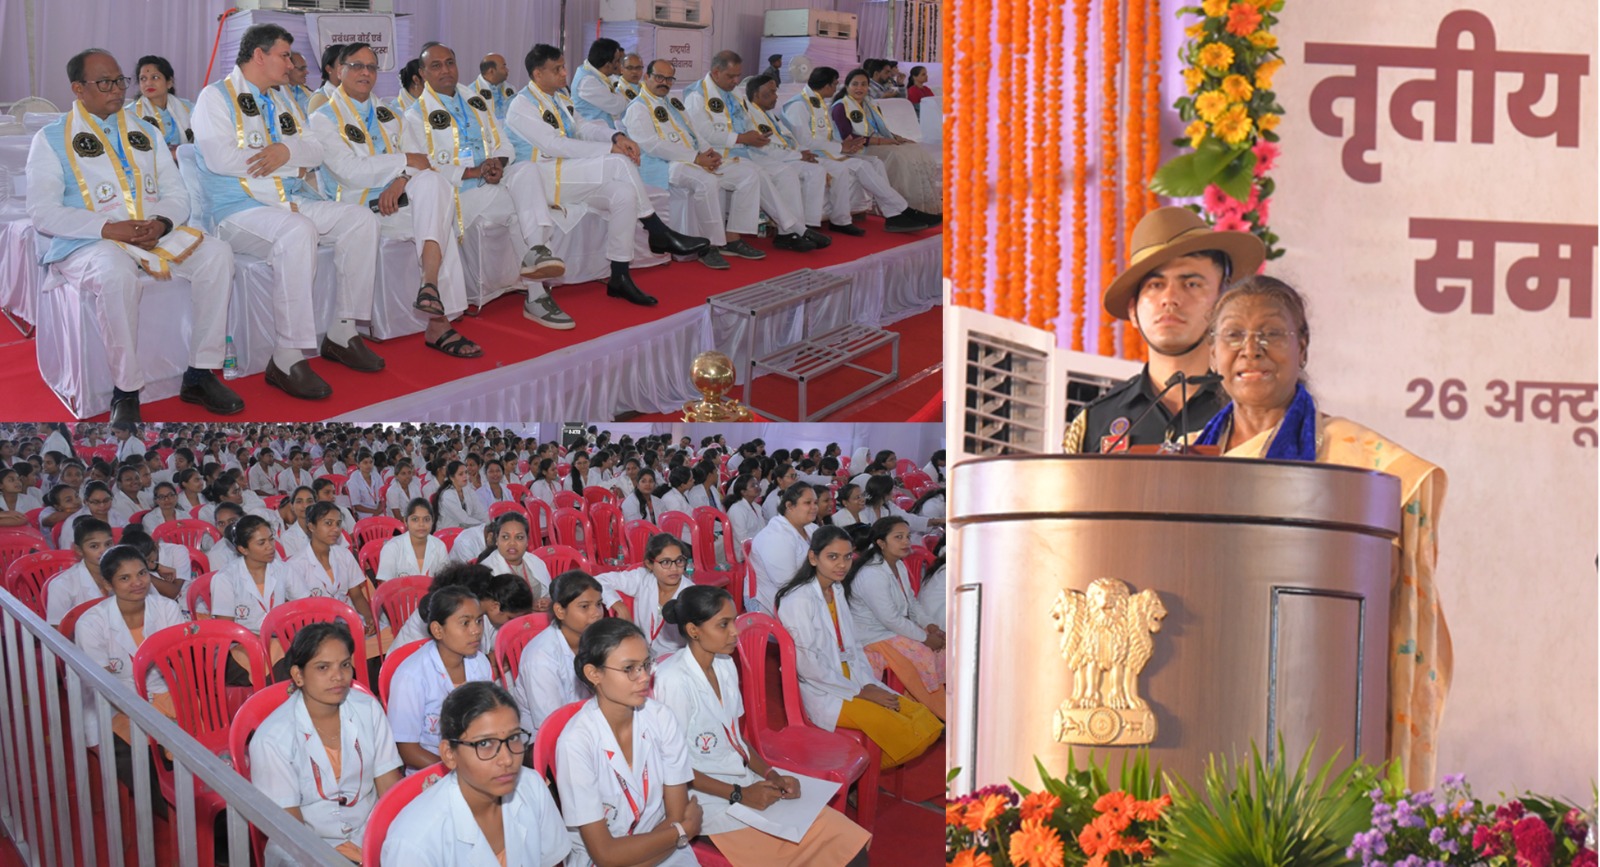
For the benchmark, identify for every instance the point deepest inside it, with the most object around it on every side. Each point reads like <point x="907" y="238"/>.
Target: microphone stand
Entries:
<point x="1172" y="382"/>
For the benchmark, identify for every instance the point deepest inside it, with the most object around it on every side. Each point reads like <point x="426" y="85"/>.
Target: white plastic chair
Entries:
<point x="901" y="117"/>
<point x="932" y="119"/>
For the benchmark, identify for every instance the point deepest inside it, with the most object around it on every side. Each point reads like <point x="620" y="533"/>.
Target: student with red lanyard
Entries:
<point x="651" y="587"/>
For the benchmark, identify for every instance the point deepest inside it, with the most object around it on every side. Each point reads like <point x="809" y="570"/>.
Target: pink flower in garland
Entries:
<point x="1232" y="222"/>
<point x="1533" y="840"/>
<point x="1584" y="858"/>
<point x="1266" y="157"/>
<point x="1215" y="200"/>
<point x="1262" y="208"/>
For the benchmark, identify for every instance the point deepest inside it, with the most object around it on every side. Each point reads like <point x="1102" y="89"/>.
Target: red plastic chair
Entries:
<point x="287" y="618"/>
<point x="799" y="745"/>
<point x="198" y="591"/>
<point x="905" y="465"/>
<point x="392" y="662"/>
<point x="274" y="501"/>
<point x="914" y="479"/>
<point x="252" y="713"/>
<point x="676" y="523"/>
<point x="574" y="529"/>
<point x="570" y="500"/>
<point x="595" y="494"/>
<point x="138" y="517"/>
<point x="543" y="518"/>
<point x="378" y="527"/>
<point x="198" y="561"/>
<point x="511" y="639"/>
<point x="904" y="502"/>
<point x="561" y="558"/>
<point x="502" y="507"/>
<point x="338" y="481"/>
<point x="195" y="512"/>
<point x="33" y="517"/>
<point x="447" y="536"/>
<point x="69" y="624"/>
<point x="26" y="576"/>
<point x="186" y="531"/>
<point x="390" y="805"/>
<point x="368" y="558"/>
<point x="916" y="563"/>
<point x="519" y="492"/>
<point x="14" y="545"/>
<point x="636" y="535"/>
<point x="544" y="743"/>
<point x="192" y="659"/>
<point x="706" y="571"/>
<point x="606" y="521"/>
<point x="931" y="542"/>
<point x="396" y="598"/>
<point x="742" y="573"/>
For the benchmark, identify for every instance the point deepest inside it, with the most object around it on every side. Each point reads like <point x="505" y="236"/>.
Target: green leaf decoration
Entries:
<point x="1177" y="178"/>
<point x="1235" y="178"/>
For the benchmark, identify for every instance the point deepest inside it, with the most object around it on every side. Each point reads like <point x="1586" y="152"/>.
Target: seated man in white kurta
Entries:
<point x="585" y="162"/>
<point x="671" y="154"/>
<point x="253" y="154"/>
<point x="297" y="82"/>
<point x="593" y="92"/>
<point x="807" y="112"/>
<point x="720" y="120"/>
<point x="124" y="214"/>
<point x="759" y="102"/>
<point x="459" y="132"/>
<point x="630" y="80"/>
<point x="363" y="163"/>
<point x="491" y="83"/>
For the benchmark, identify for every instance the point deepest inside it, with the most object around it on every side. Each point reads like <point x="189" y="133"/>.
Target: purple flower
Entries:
<point x="1452" y="781"/>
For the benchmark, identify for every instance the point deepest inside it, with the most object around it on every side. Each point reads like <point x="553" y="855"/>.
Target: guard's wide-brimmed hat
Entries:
<point x="1170" y="233"/>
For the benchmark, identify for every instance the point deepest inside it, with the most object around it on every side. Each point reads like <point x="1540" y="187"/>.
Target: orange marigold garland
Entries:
<point x="1152" y="105"/>
<point x="1017" y="166"/>
<point x="1080" y="172"/>
<point x="1133" y="149"/>
<point x="1110" y="59"/>
<point x="1042" y="164"/>
<point x="950" y="163"/>
<point x="1050" y="212"/>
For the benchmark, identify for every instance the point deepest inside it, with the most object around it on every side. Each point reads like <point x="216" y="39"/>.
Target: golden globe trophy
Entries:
<point x="712" y="374"/>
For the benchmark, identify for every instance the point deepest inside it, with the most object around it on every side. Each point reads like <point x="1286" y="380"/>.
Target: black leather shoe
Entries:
<point x="678" y="244"/>
<point x="301" y="381"/>
<point x="850" y="229"/>
<point x="211" y="394"/>
<point x="126" y="411"/>
<point x="927" y="219"/>
<point x="622" y="286"/>
<point x="797" y="243"/>
<point x="904" y="221"/>
<point x="354" y="355"/>
<point x="817" y="239"/>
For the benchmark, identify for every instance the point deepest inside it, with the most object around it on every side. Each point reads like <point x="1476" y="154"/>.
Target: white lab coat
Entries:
<point x="294" y="541"/>
<point x="632" y="511"/>
<point x="883" y="605"/>
<point x="533" y="570"/>
<point x="778" y="552"/>
<point x="932" y="597"/>
<point x="674" y="501"/>
<point x="262" y="478"/>
<point x="823" y="687"/>
<point x="287" y="760"/>
<point x="419" y="687"/>
<point x="545" y="490"/>
<point x="711" y="728"/>
<point x="873" y="514"/>
<point x="487" y="496"/>
<point x="153" y="519"/>
<point x="362" y="492"/>
<point x="438" y="830"/>
<point x="104" y="637"/>
<point x="591" y="775"/>
<point x="234" y="594"/>
<point x="396" y="498"/>
<point x="843" y="518"/>
<point x="546" y="679"/>
<point x="289" y="479"/>
<point x="461" y="509"/>
<point x="308" y="578"/>
<point x="397" y="558"/>
<point x="69" y="589"/>
<point x="638" y="583"/>
<point x="769" y="506"/>
<point x="747" y="521"/>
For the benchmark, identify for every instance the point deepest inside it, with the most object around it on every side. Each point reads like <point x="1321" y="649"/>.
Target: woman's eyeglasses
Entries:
<point x="1270" y="339"/>
<point x="636" y="671"/>
<point x="488" y="748"/>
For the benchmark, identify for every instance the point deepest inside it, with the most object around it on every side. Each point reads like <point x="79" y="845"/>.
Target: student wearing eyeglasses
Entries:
<point x="651" y="587"/>
<point x="326" y="754"/>
<point x="488" y="809"/>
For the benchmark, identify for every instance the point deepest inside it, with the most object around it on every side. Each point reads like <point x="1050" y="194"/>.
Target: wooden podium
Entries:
<point x="1274" y="577"/>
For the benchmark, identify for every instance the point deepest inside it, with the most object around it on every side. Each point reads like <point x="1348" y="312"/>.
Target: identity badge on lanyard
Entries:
<point x="638" y="811"/>
<point x="270" y="111"/>
<point x="464" y="121"/>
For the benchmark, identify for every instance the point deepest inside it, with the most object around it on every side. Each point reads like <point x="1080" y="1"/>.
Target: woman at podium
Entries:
<point x="1259" y="344"/>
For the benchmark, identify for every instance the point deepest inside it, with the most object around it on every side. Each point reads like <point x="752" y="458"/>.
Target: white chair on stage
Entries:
<point x="901" y="116"/>
<point x="580" y="240"/>
<point x="932" y="118"/>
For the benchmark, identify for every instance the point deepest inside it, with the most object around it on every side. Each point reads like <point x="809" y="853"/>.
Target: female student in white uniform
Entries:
<point x="501" y="597"/>
<point x="879" y="505"/>
<point x="256" y="582"/>
<point x="700" y="685"/>
<point x="651" y="586"/>
<point x="166" y="508"/>
<point x="327" y="568"/>
<point x="225" y="488"/>
<point x="891" y="624"/>
<point x="780" y="548"/>
<point x="743" y="508"/>
<point x="191" y="485"/>
<point x="16" y="501"/>
<point x="455" y="502"/>
<point x="61" y="503"/>
<point x="932" y="593"/>
<point x="296" y="533"/>
<point x="81" y="581"/>
<point x="622" y="764"/>
<point x="221" y="555"/>
<point x="577" y="472"/>
<point x="509" y="555"/>
<point x="546" y="679"/>
<point x="454" y="656"/>
<point x="676" y="499"/>
<point x="326" y="755"/>
<point x="325" y="491"/>
<point x="935" y="466"/>
<point x="837" y="686"/>
<point x="494" y="490"/>
<point x="489" y="810"/>
<point x="785" y="475"/>
<point x="704" y="491"/>
<point x="403" y="488"/>
<point x="545" y="485"/>
<point x="97" y="501"/>
<point x="168" y="563"/>
<point x="416" y="551"/>
<point x="362" y="488"/>
<point x="641" y="504"/>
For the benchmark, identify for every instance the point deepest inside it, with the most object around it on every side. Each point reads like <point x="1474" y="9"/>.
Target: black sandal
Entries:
<point x="428" y="300"/>
<point x="454" y="344"/>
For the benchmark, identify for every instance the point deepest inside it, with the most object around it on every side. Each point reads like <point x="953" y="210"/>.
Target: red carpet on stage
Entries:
<point x="505" y="336"/>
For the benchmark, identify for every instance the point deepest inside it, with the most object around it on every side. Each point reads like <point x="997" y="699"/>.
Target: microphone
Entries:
<point x="1183" y="409"/>
<point x="1172" y="382"/>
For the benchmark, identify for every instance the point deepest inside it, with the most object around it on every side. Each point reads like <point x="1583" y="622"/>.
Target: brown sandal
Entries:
<point x="428" y="300"/>
<point x="455" y="345"/>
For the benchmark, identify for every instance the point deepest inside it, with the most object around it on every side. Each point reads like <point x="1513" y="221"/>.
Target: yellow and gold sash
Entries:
<point x="428" y="104"/>
<point x="180" y="115"/>
<point x="349" y="118"/>
<point x="552" y="110"/>
<point x="251" y="133"/>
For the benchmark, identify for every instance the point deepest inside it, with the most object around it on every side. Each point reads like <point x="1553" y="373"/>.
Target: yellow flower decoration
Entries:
<point x="1214" y="8"/>
<point x="1195" y="31"/>
<point x="1216" y="57"/>
<point x="1264" y="40"/>
<point x="1269" y="122"/>
<point x="1234" y="125"/>
<point x="1196" y="132"/>
<point x="1237" y="88"/>
<point x="1209" y="105"/>
<point x="1266" y="71"/>
<point x="1194" y="77"/>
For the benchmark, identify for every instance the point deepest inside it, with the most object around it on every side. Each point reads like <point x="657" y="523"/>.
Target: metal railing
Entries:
<point x="38" y="812"/>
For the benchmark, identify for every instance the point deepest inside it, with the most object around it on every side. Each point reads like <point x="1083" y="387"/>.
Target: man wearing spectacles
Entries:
<point x="1177" y="269"/>
<point x="297" y="83"/>
<point x="673" y="155"/>
<point x="123" y="215"/>
<point x="631" y="79"/>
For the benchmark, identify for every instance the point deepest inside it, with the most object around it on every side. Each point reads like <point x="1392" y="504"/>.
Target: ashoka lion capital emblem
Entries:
<point x="1107" y="636"/>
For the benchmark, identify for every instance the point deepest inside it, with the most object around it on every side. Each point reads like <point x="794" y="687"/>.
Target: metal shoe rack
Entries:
<point x="814" y="355"/>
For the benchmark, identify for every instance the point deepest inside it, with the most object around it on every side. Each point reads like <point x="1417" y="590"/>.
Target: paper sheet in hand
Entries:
<point x="790" y="819"/>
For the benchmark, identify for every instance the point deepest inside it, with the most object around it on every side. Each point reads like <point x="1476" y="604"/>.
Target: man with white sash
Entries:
<point x="720" y="120"/>
<point x="363" y="163"/>
<point x="253" y="155"/>
<point x="330" y="78"/>
<point x="671" y="154"/>
<point x="410" y="87"/>
<point x="595" y="95"/>
<point x="759" y="102"/>
<point x="631" y="80"/>
<point x="297" y="82"/>
<point x="459" y="132"/>
<point x="491" y="84"/>
<point x="111" y="200"/>
<point x="158" y="105"/>
<point x="849" y="167"/>
<point x="587" y="162"/>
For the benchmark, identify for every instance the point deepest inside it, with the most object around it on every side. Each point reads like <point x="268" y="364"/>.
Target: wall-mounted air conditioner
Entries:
<point x="384" y="7"/>
<point x="810" y="22"/>
<point x="666" y="13"/>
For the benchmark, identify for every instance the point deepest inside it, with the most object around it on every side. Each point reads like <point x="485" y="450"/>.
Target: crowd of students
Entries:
<point x="654" y="757"/>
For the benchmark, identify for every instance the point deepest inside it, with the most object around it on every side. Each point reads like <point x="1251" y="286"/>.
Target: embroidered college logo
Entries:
<point x="87" y="146"/>
<point x="152" y="121"/>
<point x="286" y="124"/>
<point x="114" y="666"/>
<point x="677" y="103"/>
<point x="484" y="93"/>
<point x="240" y="612"/>
<point x="189" y="134"/>
<point x="715" y="104"/>
<point x="764" y="129"/>
<point x="105" y="193"/>
<point x="431" y="723"/>
<point x="661" y="112"/>
<point x="439" y="119"/>
<point x="478" y="103"/>
<point x="856" y="116"/>
<point x="550" y="118"/>
<point x="816" y="102"/>
<point x="149" y="185"/>
<point x="354" y="134"/>
<point x="247" y="104"/>
<point x="384" y="115"/>
<point x="705" y="742"/>
<point x="139" y="141"/>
